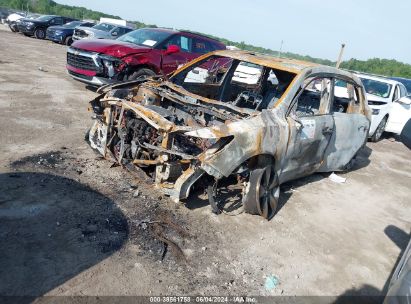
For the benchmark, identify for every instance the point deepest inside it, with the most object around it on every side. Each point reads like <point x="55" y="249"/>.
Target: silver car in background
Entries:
<point x="101" y="31"/>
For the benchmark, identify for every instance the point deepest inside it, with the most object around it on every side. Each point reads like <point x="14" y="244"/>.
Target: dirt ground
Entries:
<point x="73" y="224"/>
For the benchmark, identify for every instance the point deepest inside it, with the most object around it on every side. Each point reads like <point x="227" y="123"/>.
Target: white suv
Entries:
<point x="382" y="93"/>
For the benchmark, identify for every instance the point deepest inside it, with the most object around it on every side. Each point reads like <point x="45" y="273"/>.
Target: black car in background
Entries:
<point x="406" y="82"/>
<point x="64" y="34"/>
<point x="14" y="25"/>
<point x="38" y="27"/>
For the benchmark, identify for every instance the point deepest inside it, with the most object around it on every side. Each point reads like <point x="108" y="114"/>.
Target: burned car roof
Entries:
<point x="291" y="65"/>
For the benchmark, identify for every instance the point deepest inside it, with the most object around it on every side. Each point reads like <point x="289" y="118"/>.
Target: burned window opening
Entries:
<point x="239" y="83"/>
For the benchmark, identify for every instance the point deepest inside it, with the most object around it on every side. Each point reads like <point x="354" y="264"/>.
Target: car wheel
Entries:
<point x="40" y="33"/>
<point x="262" y="192"/>
<point x="380" y="129"/>
<point x="140" y="74"/>
<point x="13" y="28"/>
<point x="406" y="134"/>
<point x="68" y="41"/>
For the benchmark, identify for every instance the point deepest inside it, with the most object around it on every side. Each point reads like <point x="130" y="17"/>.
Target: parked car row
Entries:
<point x="389" y="102"/>
<point x="64" y="34"/>
<point x="63" y="29"/>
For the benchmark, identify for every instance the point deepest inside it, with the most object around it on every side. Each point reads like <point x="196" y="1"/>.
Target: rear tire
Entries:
<point x="140" y="74"/>
<point x="69" y="40"/>
<point x="380" y="129"/>
<point x="40" y="33"/>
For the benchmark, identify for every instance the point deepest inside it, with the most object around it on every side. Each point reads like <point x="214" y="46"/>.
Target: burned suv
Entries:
<point x="233" y="120"/>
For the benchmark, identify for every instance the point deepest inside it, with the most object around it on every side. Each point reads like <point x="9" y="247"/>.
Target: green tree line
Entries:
<point x="374" y="66"/>
<point x="53" y="8"/>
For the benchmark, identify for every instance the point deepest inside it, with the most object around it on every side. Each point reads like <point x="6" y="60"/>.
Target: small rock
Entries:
<point x="91" y="229"/>
<point x="136" y="193"/>
<point x="204" y="248"/>
<point x="58" y="223"/>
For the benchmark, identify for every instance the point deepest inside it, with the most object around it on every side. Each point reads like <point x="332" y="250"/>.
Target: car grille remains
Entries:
<point x="81" y="62"/>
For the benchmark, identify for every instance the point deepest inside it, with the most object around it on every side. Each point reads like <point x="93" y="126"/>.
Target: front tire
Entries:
<point x="262" y="192"/>
<point x="140" y="74"/>
<point x="13" y="28"/>
<point x="69" y="40"/>
<point x="40" y="33"/>
<point x="380" y="129"/>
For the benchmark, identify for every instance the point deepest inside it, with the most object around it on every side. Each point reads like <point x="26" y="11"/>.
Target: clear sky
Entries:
<point x="370" y="28"/>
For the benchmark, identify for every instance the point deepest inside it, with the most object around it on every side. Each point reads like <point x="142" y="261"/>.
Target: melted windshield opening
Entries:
<point x="147" y="37"/>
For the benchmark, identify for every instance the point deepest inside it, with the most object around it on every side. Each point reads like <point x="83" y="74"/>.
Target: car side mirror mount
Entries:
<point x="172" y="49"/>
<point x="299" y="123"/>
<point x="405" y="100"/>
<point x="114" y="34"/>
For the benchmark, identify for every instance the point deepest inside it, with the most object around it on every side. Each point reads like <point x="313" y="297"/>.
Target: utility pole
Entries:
<point x="281" y="48"/>
<point x="340" y="55"/>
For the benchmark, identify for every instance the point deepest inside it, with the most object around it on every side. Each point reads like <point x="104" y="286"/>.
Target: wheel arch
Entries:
<point x="131" y="68"/>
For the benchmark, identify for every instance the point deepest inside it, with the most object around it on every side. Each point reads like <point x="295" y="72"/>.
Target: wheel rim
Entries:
<point x="267" y="192"/>
<point x="40" y="34"/>
<point x="263" y="194"/>
<point x="380" y="128"/>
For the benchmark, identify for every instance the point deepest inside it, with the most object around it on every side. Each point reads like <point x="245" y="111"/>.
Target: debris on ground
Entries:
<point x="337" y="179"/>
<point x="271" y="282"/>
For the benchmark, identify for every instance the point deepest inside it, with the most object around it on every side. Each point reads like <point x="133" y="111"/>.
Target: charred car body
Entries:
<point x="210" y="123"/>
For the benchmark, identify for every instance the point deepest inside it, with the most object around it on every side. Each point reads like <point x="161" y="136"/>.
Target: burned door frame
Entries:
<point x="309" y="135"/>
<point x="343" y="145"/>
